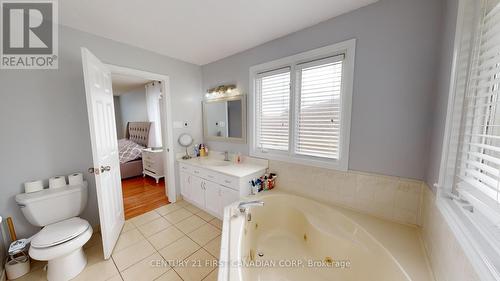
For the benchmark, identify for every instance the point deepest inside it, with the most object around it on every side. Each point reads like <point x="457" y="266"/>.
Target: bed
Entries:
<point x="130" y="148"/>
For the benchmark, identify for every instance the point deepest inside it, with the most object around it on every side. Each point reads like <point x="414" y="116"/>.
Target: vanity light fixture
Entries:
<point x="222" y="91"/>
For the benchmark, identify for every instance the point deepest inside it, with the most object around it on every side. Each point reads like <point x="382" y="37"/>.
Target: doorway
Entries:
<point x="142" y="108"/>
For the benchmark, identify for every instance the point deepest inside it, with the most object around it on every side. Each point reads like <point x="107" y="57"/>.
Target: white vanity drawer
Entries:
<point x="196" y="171"/>
<point x="199" y="172"/>
<point x="212" y="176"/>
<point x="230" y="182"/>
<point x="186" y="168"/>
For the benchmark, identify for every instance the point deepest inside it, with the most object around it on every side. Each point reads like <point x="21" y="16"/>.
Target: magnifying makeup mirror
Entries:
<point x="185" y="140"/>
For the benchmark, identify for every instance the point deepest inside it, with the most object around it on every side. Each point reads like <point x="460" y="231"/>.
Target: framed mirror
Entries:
<point x="224" y="119"/>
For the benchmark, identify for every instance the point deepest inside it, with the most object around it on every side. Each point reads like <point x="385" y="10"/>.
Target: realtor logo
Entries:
<point x="29" y="35"/>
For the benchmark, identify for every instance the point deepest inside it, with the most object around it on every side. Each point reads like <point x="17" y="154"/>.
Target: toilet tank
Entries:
<point x="49" y="206"/>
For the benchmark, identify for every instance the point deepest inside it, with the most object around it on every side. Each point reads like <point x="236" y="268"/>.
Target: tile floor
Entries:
<point x="171" y="243"/>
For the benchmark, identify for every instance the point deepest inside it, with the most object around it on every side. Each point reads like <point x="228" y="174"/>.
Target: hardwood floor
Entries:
<point x="141" y="195"/>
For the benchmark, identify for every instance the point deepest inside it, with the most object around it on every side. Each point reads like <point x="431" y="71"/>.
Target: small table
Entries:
<point x="152" y="163"/>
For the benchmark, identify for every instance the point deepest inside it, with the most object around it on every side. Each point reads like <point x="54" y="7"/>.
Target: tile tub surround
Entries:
<point x="392" y="198"/>
<point x="445" y="255"/>
<point x="154" y="253"/>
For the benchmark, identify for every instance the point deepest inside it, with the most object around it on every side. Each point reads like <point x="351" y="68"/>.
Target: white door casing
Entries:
<point x="100" y="107"/>
<point x="167" y="130"/>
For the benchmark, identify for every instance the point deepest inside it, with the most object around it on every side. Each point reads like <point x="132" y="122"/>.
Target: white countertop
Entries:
<point x="247" y="167"/>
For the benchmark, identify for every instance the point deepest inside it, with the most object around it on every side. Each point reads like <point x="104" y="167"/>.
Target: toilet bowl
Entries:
<point x="61" y="245"/>
<point x="63" y="235"/>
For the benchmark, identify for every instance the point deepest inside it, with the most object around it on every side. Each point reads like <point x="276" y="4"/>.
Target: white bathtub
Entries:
<point x="293" y="238"/>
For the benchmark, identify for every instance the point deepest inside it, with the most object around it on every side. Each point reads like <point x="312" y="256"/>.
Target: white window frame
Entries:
<point x="469" y="230"/>
<point x="348" y="49"/>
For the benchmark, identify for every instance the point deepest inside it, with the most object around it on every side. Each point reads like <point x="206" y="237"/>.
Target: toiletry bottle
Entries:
<point x="202" y="150"/>
<point x="196" y="151"/>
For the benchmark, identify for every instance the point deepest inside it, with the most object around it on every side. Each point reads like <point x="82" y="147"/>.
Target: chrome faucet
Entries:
<point x="243" y="206"/>
<point x="226" y="156"/>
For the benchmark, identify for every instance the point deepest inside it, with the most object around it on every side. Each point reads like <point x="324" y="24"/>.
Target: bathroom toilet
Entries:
<point x="63" y="234"/>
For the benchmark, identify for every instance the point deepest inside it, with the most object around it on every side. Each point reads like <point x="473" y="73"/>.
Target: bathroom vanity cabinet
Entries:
<point x="211" y="184"/>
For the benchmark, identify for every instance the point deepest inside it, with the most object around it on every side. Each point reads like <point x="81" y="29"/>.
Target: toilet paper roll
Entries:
<point x="57" y="182"/>
<point x="33" y="186"/>
<point x="75" y="179"/>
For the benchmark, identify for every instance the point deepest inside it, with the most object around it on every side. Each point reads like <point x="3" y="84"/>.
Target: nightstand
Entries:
<point x="152" y="163"/>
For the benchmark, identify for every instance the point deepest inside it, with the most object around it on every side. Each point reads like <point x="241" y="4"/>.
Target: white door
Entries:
<point x="185" y="185"/>
<point x="101" y="112"/>
<point x="213" y="198"/>
<point x="198" y="191"/>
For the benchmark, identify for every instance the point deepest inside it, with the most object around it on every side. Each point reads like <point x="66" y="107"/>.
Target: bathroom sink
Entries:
<point x="214" y="162"/>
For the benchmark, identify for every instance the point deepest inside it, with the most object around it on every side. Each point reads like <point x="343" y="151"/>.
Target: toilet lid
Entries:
<point x="59" y="232"/>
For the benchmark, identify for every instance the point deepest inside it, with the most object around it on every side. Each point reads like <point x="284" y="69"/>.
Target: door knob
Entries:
<point x="105" y="169"/>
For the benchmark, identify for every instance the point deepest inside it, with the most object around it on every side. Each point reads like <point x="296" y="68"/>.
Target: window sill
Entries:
<point x="302" y="160"/>
<point x="484" y="259"/>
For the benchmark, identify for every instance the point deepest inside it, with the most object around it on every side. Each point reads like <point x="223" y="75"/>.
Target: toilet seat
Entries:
<point x="59" y="233"/>
<point x="61" y="249"/>
<point x="65" y="259"/>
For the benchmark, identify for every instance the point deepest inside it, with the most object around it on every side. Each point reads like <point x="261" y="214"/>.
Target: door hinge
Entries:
<point x="94" y="171"/>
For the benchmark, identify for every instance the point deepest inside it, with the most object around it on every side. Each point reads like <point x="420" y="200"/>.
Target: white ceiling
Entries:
<point x="199" y="31"/>
<point x="125" y="83"/>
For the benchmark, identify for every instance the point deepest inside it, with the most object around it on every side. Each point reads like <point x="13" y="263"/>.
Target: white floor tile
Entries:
<point x="154" y="226"/>
<point x="147" y="269"/>
<point x="133" y="254"/>
<point x="165" y="237"/>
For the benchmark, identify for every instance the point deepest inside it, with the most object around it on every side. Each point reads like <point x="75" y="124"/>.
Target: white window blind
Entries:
<point x="273" y="109"/>
<point x="478" y="169"/>
<point x="319" y="108"/>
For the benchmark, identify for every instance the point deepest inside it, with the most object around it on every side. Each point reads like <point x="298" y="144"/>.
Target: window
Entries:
<point x="318" y="110"/>
<point x="470" y="173"/>
<point x="302" y="107"/>
<point x="478" y="173"/>
<point x="273" y="103"/>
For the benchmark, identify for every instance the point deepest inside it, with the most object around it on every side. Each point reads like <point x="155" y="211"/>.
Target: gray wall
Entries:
<point x="43" y="115"/>
<point x="133" y="107"/>
<point x="118" y="118"/>
<point x="442" y="91"/>
<point x="394" y="82"/>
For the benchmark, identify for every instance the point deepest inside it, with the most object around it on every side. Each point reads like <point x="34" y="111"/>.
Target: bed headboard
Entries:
<point x="138" y="132"/>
